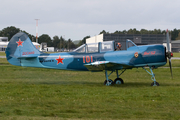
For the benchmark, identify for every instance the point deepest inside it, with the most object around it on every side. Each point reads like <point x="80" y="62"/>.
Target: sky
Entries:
<point x="76" y="19"/>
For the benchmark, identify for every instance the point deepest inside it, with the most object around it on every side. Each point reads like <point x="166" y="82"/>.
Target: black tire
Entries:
<point x="118" y="81"/>
<point x="153" y="84"/>
<point x="111" y="81"/>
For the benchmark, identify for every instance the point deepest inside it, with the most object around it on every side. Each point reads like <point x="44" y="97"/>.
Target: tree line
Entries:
<point x="62" y="43"/>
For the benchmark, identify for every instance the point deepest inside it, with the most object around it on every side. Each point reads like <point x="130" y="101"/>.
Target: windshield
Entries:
<point x="80" y="49"/>
<point x="91" y="48"/>
<point x="87" y="48"/>
<point x="96" y="47"/>
<point x="107" y="46"/>
<point x="129" y="44"/>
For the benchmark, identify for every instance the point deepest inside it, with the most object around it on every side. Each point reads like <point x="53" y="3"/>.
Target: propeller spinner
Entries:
<point x="169" y="54"/>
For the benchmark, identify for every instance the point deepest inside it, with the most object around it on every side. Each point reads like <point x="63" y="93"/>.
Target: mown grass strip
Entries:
<point x="2" y="53"/>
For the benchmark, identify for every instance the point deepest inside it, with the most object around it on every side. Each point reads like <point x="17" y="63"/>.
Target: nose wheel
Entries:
<point x="154" y="84"/>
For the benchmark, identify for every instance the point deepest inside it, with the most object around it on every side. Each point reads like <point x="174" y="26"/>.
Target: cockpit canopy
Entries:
<point x="101" y="47"/>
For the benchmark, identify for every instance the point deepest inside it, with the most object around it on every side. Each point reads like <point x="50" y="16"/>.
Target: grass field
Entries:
<point x="35" y="93"/>
<point x="176" y="54"/>
<point x="2" y="54"/>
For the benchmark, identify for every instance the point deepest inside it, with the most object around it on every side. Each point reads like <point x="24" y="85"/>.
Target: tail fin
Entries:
<point x="19" y="47"/>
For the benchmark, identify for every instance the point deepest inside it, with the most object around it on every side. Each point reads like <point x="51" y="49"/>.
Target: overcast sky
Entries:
<point x="76" y="19"/>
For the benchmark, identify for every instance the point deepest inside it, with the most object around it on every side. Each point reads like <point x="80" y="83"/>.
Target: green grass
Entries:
<point x="35" y="93"/>
<point x="2" y="53"/>
<point x="3" y="61"/>
<point x="176" y="54"/>
<point x="175" y="63"/>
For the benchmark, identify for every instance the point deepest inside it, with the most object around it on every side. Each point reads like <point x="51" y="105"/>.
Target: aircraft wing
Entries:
<point x="107" y="65"/>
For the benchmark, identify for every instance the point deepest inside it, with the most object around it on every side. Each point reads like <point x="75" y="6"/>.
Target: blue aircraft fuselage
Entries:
<point x="136" y="56"/>
<point x="93" y="57"/>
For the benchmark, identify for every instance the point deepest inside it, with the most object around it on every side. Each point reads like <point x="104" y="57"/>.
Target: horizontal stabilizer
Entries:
<point x="28" y="56"/>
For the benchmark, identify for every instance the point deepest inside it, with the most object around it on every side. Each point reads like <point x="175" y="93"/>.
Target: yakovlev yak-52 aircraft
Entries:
<point x="91" y="57"/>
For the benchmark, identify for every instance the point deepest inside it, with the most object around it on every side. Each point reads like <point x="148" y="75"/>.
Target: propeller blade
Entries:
<point x="167" y="38"/>
<point x="170" y="68"/>
<point x="169" y="52"/>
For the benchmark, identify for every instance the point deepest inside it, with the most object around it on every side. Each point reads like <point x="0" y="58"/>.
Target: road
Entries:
<point x="175" y="58"/>
<point x="2" y="56"/>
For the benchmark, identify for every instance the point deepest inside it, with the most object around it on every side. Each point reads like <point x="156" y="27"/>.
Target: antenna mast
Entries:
<point x="37" y="30"/>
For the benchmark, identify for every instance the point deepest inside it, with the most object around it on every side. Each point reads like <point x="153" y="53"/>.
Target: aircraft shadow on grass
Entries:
<point x="99" y="84"/>
<point x="94" y="57"/>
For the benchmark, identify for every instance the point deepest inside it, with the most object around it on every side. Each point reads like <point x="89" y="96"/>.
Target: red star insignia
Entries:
<point x="19" y="42"/>
<point x="60" y="60"/>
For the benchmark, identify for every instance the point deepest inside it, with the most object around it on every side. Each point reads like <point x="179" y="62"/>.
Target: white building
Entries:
<point x="95" y="39"/>
<point x="37" y="45"/>
<point x="176" y="46"/>
<point x="3" y="46"/>
<point x="3" y="43"/>
<point x="138" y="39"/>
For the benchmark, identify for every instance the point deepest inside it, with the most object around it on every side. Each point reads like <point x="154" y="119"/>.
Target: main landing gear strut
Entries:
<point x="118" y="80"/>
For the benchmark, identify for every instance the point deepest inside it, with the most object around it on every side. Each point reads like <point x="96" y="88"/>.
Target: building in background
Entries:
<point x="37" y="45"/>
<point x="3" y="43"/>
<point x="44" y="48"/>
<point x="138" y="39"/>
<point x="176" y="46"/>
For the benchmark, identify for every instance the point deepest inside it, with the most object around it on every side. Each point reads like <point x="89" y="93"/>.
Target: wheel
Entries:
<point x="155" y="84"/>
<point x="118" y="81"/>
<point x="110" y="82"/>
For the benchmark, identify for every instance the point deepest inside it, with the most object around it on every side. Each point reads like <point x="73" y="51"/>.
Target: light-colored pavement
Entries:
<point x="175" y="58"/>
<point x="2" y="56"/>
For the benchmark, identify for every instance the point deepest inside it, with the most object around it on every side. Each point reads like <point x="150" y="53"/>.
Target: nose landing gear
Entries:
<point x="153" y="76"/>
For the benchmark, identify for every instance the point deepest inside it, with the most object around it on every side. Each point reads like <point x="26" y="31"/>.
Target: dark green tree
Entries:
<point x="83" y="41"/>
<point x="133" y="31"/>
<point x="62" y="42"/>
<point x="118" y="32"/>
<point x="70" y="45"/>
<point x="144" y="31"/>
<point x="174" y="34"/>
<point x="163" y="32"/>
<point x="45" y="38"/>
<point x="56" y="42"/>
<point x="32" y="37"/>
<point x="9" y="32"/>
<point x="156" y="31"/>
<point x="103" y="32"/>
<point x="178" y="37"/>
<point x="124" y="32"/>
